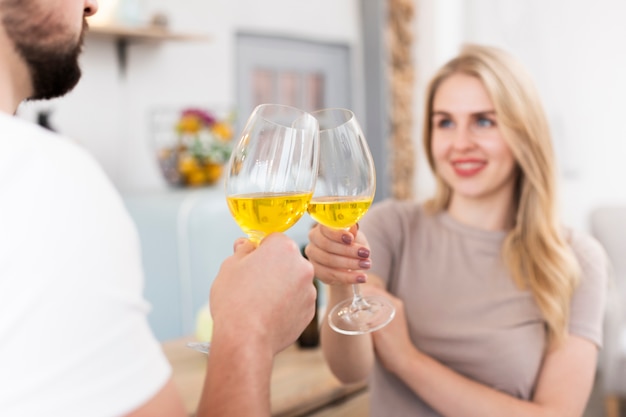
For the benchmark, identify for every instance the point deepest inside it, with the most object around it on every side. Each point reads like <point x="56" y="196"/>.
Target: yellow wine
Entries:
<point x="338" y="212"/>
<point x="261" y="214"/>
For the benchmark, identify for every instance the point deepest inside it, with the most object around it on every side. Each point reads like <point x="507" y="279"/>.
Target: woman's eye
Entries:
<point x="445" y="123"/>
<point x="485" y="122"/>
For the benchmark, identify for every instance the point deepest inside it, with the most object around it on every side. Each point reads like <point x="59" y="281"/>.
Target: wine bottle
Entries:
<point x="310" y="336"/>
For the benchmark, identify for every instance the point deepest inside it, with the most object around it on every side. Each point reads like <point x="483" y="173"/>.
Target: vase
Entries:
<point x="196" y="172"/>
<point x="192" y="145"/>
<point x="182" y="169"/>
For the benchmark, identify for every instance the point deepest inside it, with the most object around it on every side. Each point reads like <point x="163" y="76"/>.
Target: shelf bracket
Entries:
<point x="121" y="48"/>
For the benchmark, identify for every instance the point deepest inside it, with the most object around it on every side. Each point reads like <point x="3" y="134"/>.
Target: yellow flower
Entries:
<point x="188" y="164"/>
<point x="189" y="124"/>
<point x="212" y="171"/>
<point x="196" y="178"/>
<point x="222" y="130"/>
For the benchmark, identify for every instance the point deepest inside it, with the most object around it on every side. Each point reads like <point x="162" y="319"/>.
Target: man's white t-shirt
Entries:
<point x="74" y="337"/>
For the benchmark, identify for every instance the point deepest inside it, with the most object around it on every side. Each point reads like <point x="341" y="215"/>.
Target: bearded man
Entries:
<point x="74" y="337"/>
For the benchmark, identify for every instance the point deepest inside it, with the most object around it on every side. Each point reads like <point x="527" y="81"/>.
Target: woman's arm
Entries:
<point x="350" y="358"/>
<point x="563" y="388"/>
<point x="340" y="259"/>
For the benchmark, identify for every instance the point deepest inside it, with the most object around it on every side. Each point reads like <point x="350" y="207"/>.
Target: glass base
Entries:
<point x="202" y="347"/>
<point x="368" y="315"/>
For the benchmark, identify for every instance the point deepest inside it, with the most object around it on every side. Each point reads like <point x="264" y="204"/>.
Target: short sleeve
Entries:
<point x="589" y="299"/>
<point x="73" y="320"/>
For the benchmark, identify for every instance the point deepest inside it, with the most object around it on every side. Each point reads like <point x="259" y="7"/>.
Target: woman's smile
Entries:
<point x="468" y="167"/>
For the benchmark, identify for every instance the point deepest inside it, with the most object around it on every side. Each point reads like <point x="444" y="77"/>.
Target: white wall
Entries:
<point x="109" y="113"/>
<point x="573" y="48"/>
<point x="575" y="51"/>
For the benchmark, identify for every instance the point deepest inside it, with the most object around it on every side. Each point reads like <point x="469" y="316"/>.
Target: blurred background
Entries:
<point x="146" y="61"/>
<point x="146" y="57"/>
<point x="573" y="49"/>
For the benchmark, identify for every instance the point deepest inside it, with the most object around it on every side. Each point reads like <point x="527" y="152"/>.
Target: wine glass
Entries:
<point x="272" y="172"/>
<point x="346" y="183"/>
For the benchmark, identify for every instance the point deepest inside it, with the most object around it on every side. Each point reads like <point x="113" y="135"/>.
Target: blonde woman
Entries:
<point x="499" y="307"/>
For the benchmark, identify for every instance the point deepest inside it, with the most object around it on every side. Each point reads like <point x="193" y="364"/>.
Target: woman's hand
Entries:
<point x="338" y="256"/>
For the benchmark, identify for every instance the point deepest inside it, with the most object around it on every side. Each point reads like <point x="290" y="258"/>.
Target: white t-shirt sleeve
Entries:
<point x="74" y="337"/>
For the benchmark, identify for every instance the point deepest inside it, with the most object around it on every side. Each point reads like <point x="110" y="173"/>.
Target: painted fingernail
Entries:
<point x="361" y="279"/>
<point x="363" y="253"/>
<point x="365" y="264"/>
<point x="347" y="239"/>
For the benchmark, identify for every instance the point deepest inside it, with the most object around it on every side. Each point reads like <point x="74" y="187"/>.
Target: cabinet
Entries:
<point x="185" y="235"/>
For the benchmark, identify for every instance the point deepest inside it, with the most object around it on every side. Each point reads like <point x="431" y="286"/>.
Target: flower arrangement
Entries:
<point x="202" y="146"/>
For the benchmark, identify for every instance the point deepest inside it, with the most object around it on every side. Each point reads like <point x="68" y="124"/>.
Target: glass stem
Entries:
<point x="357" y="298"/>
<point x="255" y="237"/>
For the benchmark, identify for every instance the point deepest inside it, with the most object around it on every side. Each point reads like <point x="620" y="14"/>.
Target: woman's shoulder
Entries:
<point x="403" y="211"/>
<point x="591" y="256"/>
<point x="586" y="248"/>
<point x="404" y="208"/>
<point x="397" y="217"/>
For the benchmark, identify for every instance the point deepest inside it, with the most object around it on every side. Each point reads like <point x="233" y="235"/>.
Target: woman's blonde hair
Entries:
<point x="535" y="250"/>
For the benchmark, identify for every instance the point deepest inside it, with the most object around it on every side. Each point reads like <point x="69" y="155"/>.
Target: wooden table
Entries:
<point x="301" y="380"/>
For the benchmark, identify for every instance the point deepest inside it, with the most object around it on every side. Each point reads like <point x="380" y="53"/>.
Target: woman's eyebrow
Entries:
<point x="485" y="113"/>
<point x="476" y="113"/>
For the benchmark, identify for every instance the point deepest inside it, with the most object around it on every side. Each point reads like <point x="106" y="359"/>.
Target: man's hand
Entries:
<point x="265" y="292"/>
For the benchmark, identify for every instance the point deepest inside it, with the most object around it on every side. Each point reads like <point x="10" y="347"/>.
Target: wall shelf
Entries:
<point x="144" y="33"/>
<point x="123" y="35"/>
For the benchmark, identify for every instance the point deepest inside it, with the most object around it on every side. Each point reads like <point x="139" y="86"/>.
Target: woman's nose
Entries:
<point x="463" y="138"/>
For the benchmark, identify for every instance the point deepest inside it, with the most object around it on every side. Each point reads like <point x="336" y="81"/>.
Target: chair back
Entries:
<point x="608" y="226"/>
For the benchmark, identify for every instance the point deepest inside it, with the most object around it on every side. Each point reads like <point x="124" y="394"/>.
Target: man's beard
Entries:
<point x="54" y="72"/>
<point x="51" y="55"/>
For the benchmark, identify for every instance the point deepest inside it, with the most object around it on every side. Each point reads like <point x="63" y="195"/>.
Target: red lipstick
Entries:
<point x="468" y="167"/>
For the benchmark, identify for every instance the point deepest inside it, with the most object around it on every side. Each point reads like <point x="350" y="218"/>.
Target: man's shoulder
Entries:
<point x="10" y="125"/>
<point x="24" y="144"/>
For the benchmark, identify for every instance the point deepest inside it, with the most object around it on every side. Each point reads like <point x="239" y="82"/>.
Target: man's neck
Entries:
<point x="15" y="84"/>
